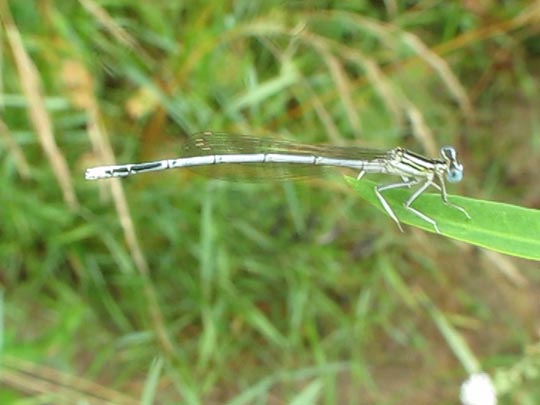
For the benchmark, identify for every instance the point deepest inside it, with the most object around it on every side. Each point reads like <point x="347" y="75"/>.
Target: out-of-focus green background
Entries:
<point x="169" y="287"/>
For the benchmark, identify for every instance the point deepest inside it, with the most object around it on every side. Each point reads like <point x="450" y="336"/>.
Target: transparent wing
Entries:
<point x="216" y="143"/>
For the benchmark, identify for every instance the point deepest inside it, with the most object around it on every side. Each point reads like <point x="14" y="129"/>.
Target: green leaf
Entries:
<point x="455" y="340"/>
<point x="151" y="386"/>
<point x="505" y="228"/>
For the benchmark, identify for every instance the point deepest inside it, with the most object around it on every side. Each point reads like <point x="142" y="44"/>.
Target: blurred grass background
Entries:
<point x="168" y="288"/>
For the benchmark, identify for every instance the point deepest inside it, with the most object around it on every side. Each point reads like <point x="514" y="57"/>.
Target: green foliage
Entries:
<point x="174" y="289"/>
<point x="502" y="227"/>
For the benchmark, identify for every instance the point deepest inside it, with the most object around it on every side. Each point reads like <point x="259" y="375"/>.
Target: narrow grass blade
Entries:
<point x="453" y="338"/>
<point x="152" y="381"/>
<point x="505" y="228"/>
<point x="309" y="395"/>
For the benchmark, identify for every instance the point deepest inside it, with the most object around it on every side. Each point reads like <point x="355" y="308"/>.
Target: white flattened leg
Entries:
<point x="444" y="197"/>
<point x="419" y="214"/>
<point x="384" y="203"/>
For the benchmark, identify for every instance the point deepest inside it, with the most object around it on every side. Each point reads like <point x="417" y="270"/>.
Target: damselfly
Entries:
<point x="278" y="159"/>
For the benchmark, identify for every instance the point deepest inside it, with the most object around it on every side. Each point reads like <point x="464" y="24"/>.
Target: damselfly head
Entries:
<point x="454" y="173"/>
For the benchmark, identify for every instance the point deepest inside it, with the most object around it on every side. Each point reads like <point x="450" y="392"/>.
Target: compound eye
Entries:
<point x="454" y="176"/>
<point x="448" y="152"/>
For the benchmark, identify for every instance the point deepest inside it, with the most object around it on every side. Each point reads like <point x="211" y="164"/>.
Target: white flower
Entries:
<point x="478" y="390"/>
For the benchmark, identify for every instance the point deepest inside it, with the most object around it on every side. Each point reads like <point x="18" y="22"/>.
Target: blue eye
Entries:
<point x="454" y="176"/>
